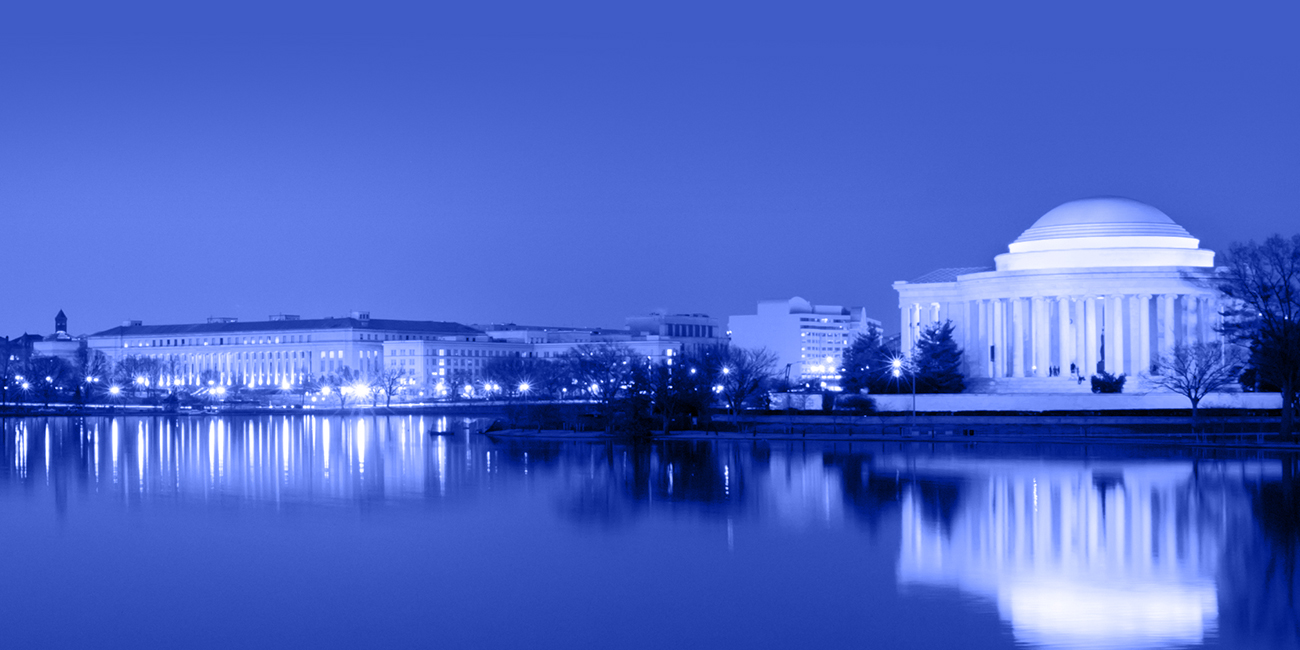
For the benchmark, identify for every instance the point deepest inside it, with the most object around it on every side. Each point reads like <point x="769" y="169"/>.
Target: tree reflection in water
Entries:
<point x="1258" y="581"/>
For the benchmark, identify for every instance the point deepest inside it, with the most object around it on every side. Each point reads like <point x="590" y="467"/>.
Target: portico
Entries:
<point x="1094" y="284"/>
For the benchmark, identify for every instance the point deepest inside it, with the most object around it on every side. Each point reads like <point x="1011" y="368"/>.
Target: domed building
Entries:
<point x="1102" y="283"/>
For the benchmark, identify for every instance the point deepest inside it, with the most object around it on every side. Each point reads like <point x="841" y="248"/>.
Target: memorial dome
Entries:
<point x="1103" y="217"/>
<point x="1104" y="232"/>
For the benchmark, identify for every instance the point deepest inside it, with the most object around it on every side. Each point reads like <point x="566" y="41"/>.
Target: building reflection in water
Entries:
<point x="275" y="459"/>
<point x="1095" y="552"/>
<point x="1122" y="554"/>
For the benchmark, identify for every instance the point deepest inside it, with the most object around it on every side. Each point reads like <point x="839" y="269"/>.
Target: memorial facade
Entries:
<point x="1103" y="283"/>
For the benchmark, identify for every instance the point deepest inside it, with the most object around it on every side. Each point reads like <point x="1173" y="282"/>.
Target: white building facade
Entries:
<point x="284" y="351"/>
<point x="807" y="339"/>
<point x="1096" y="283"/>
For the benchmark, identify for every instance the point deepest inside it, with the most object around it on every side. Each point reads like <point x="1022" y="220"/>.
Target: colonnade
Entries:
<point x="254" y="368"/>
<point x="1063" y="335"/>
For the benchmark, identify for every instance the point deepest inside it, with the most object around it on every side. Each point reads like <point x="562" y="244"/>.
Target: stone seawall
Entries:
<point x="1087" y="402"/>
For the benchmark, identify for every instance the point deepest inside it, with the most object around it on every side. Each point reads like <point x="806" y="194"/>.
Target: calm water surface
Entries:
<point x="361" y="532"/>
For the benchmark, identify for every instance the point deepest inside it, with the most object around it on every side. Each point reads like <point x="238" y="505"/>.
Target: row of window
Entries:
<point x="222" y="340"/>
<point x="271" y="340"/>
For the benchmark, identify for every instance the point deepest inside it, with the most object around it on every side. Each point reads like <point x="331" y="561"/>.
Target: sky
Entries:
<point x="577" y="163"/>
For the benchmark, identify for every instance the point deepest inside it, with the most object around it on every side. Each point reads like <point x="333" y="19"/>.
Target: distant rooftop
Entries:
<point x="379" y="324"/>
<point x="948" y="275"/>
<point x="515" y="327"/>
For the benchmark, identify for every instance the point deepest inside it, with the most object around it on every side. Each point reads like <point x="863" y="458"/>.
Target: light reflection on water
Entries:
<point x="1057" y="547"/>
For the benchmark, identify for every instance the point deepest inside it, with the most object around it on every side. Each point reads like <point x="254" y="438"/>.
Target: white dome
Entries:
<point x="1103" y="217"/>
<point x="1104" y="232"/>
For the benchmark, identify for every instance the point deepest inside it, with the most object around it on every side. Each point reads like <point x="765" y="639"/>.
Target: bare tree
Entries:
<point x="1195" y="371"/>
<point x="171" y="371"/>
<point x="309" y="385"/>
<point x="209" y="377"/>
<point x="93" y="369"/>
<point x="674" y="389"/>
<point x="140" y="373"/>
<point x="387" y="381"/>
<point x="48" y="376"/>
<point x="743" y="374"/>
<point x="605" y="370"/>
<point x="541" y="376"/>
<point x="340" y="384"/>
<point x="1263" y="283"/>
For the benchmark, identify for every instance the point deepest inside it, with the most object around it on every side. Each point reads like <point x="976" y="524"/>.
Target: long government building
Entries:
<point x="287" y="350"/>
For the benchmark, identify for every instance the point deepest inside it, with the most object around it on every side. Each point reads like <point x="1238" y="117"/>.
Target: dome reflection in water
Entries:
<point x="261" y="531"/>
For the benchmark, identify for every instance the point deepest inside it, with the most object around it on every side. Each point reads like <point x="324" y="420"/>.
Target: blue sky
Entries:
<point x="575" y="163"/>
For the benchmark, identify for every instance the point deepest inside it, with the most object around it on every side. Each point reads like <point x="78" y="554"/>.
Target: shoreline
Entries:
<point x="1184" y="440"/>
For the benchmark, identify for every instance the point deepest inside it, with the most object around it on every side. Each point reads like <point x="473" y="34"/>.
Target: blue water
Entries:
<point x="362" y="532"/>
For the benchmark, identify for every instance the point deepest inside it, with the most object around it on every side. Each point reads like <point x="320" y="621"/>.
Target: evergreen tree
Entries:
<point x="859" y="361"/>
<point x="938" y="361"/>
<point x="866" y="364"/>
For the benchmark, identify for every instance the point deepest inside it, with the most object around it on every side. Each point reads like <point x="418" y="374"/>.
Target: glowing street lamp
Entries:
<point x="897" y="370"/>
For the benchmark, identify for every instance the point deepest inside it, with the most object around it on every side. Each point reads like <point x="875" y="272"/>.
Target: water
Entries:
<point x="362" y="532"/>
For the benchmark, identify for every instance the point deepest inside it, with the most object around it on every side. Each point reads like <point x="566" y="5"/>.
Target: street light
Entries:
<point x="897" y="365"/>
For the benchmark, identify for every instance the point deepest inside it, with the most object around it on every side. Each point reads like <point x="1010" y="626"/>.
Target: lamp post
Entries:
<point x="897" y="365"/>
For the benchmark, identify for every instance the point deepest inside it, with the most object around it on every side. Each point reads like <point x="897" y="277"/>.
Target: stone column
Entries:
<point x="981" y="347"/>
<point x="1191" y="324"/>
<point x="999" y="354"/>
<point x="1133" y="339"/>
<point x="1042" y="337"/>
<point x="905" y="340"/>
<point x="1209" y="319"/>
<point x="1166" y="306"/>
<point x="1065" y="342"/>
<point x="1018" y="337"/>
<point x="1143" y="362"/>
<point x="1115" y="334"/>
<point x="1205" y="317"/>
<point x="968" y="331"/>
<point x="1090" y="335"/>
<point x="1078" y="311"/>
